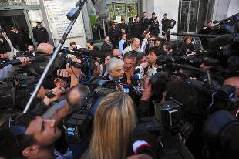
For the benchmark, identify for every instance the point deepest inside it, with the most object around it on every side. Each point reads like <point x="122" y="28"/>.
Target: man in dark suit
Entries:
<point x="166" y="26"/>
<point x="145" y="21"/>
<point x="40" y="34"/>
<point x="154" y="25"/>
<point x="107" y="46"/>
<point x="114" y="34"/>
<point x="137" y="28"/>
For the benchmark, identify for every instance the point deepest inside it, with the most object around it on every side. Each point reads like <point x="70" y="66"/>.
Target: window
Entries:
<point x="188" y="15"/>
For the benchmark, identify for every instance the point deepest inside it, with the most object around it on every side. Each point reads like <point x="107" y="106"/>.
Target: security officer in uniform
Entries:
<point x="154" y="25"/>
<point x="145" y="22"/>
<point x="167" y="24"/>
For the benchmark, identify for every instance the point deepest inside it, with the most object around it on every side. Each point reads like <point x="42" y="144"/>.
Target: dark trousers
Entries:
<point x="167" y="35"/>
<point x="78" y="148"/>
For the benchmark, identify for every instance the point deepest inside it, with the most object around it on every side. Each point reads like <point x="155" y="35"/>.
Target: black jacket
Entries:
<point x="114" y="34"/>
<point x="186" y="49"/>
<point x="124" y="26"/>
<point x="17" y="40"/>
<point x="145" y="22"/>
<point x="154" y="27"/>
<point x="40" y="35"/>
<point x="166" y="25"/>
<point x="137" y="30"/>
<point x="107" y="48"/>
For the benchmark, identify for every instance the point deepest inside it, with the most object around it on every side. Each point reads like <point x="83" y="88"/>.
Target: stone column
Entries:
<point x="233" y="8"/>
<point x="220" y="9"/>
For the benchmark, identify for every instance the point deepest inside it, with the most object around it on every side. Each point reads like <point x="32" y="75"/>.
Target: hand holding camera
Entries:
<point x="24" y="60"/>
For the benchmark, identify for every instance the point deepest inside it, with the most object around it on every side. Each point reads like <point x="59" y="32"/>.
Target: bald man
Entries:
<point x="45" y="48"/>
<point x="43" y="55"/>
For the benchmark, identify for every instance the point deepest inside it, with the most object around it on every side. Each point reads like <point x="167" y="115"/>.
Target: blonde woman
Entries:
<point x="113" y="127"/>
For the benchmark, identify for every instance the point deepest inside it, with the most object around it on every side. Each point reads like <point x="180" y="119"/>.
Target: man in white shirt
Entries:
<point x="135" y="46"/>
<point x="123" y="43"/>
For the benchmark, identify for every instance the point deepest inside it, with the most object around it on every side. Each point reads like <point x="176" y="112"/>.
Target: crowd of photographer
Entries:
<point x="138" y="96"/>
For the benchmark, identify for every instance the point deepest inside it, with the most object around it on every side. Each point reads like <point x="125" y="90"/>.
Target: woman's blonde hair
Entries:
<point x="113" y="124"/>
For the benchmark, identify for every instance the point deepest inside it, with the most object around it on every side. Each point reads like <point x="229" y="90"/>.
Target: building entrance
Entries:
<point x="16" y="17"/>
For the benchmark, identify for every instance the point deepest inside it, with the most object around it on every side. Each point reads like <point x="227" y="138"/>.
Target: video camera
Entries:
<point x="193" y="101"/>
<point x="187" y="66"/>
<point x="82" y="54"/>
<point x="229" y="24"/>
<point x="86" y="58"/>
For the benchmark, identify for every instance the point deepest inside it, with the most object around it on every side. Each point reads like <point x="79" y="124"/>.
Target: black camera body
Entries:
<point x="193" y="101"/>
<point x="74" y="64"/>
<point x="82" y="54"/>
<point x="86" y="58"/>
